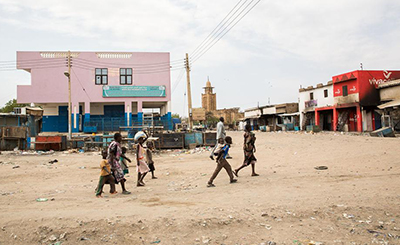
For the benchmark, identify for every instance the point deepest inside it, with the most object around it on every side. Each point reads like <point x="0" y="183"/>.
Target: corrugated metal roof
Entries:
<point x="390" y="104"/>
<point x="389" y="84"/>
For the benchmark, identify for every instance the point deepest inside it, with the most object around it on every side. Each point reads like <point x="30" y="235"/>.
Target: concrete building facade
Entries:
<point x="356" y="98"/>
<point x="317" y="100"/>
<point x="109" y="89"/>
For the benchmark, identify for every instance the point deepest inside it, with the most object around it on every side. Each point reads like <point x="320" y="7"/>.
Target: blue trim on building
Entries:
<point x="76" y="122"/>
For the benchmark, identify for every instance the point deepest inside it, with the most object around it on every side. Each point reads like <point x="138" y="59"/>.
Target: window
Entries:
<point x="311" y="96"/>
<point x="101" y="76"/>
<point x="326" y="93"/>
<point x="345" y="92"/>
<point x="125" y="76"/>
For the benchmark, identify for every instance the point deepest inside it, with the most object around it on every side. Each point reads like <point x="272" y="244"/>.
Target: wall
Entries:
<point x="390" y="93"/>
<point x="50" y="85"/>
<point x="252" y="113"/>
<point x="319" y="97"/>
<point x="362" y="86"/>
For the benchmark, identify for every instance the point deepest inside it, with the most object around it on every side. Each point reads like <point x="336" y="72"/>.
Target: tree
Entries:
<point x="211" y="119"/>
<point x="176" y="115"/>
<point x="10" y="105"/>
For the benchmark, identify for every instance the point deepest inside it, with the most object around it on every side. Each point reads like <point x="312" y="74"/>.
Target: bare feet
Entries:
<point x="233" y="181"/>
<point x="139" y="184"/>
<point x="113" y="193"/>
<point x="154" y="177"/>
<point x="236" y="173"/>
<point x="99" y="196"/>
<point x="254" y="175"/>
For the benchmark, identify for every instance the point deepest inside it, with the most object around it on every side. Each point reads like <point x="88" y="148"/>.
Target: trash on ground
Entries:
<point x="42" y="199"/>
<point x="16" y="166"/>
<point x="53" y="161"/>
<point x="348" y="216"/>
<point x="321" y="168"/>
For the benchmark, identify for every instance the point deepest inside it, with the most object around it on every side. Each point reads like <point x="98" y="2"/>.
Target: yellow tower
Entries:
<point x="209" y="99"/>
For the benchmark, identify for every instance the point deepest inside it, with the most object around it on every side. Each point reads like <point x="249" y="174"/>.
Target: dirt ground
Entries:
<point x="355" y="201"/>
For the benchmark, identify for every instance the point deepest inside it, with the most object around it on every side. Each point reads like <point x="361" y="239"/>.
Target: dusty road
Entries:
<point x="355" y="201"/>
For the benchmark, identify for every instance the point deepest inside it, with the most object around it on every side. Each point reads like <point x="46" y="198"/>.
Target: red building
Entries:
<point x="356" y="99"/>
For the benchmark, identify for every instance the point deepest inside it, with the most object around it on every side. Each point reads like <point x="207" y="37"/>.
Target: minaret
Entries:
<point x="209" y="98"/>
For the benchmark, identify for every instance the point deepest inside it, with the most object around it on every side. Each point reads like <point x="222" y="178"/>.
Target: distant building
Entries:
<point x="273" y="117"/>
<point x="390" y="99"/>
<point x="109" y="89"/>
<point x="317" y="103"/>
<point x="356" y="98"/>
<point x="209" y="98"/>
<point x="209" y="106"/>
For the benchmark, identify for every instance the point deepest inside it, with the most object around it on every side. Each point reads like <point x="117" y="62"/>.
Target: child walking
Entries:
<point x="123" y="159"/>
<point x="249" y="148"/>
<point x="149" y="158"/>
<point x="105" y="176"/>
<point x="222" y="162"/>
<point x="142" y="167"/>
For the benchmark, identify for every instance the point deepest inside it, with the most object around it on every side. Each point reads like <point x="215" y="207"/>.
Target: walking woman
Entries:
<point x="114" y="154"/>
<point x="249" y="149"/>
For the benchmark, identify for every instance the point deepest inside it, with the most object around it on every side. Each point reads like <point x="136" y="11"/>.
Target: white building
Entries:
<point x="317" y="103"/>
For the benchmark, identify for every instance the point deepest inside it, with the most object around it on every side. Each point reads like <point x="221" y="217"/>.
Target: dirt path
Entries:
<point x="355" y="201"/>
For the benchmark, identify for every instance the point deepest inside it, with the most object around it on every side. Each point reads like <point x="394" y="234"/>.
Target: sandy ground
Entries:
<point x="355" y="201"/>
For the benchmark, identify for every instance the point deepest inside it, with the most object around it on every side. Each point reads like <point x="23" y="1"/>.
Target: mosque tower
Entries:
<point x="209" y="99"/>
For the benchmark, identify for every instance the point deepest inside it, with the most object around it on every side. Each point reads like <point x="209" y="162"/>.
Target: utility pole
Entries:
<point x="189" y="93"/>
<point x="69" y="97"/>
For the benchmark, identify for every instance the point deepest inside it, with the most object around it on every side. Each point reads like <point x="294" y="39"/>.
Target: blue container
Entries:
<point x="199" y="138"/>
<point x="190" y="138"/>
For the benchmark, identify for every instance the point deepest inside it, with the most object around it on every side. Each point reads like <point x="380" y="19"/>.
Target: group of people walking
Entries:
<point x="221" y="152"/>
<point x="114" y="165"/>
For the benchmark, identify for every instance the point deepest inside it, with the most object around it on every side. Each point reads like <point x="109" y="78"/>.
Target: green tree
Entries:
<point x="10" y="105"/>
<point x="176" y="115"/>
<point x="211" y="119"/>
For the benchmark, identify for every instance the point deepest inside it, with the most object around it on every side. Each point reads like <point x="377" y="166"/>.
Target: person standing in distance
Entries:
<point x="221" y="134"/>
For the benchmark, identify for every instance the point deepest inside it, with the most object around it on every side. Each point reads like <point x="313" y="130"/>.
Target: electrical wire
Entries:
<point x="82" y="60"/>
<point x="178" y="80"/>
<point x="199" y="56"/>
<point x="137" y="68"/>
<point x="217" y="28"/>
<point x="83" y="88"/>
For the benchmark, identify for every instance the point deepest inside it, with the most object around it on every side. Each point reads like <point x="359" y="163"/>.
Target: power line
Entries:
<point x="127" y="64"/>
<point x="199" y="56"/>
<point x="221" y="33"/>
<point x="83" y="88"/>
<point x="217" y="27"/>
<point x="178" y="80"/>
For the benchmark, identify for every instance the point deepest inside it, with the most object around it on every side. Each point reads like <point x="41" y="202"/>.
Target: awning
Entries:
<point x="392" y="103"/>
<point x="253" y="117"/>
<point x="289" y="114"/>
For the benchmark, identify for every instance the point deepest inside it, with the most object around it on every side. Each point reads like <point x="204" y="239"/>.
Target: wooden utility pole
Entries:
<point x="69" y="97"/>
<point x="189" y="93"/>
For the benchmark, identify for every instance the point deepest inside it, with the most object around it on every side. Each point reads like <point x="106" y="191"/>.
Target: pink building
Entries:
<point x="109" y="89"/>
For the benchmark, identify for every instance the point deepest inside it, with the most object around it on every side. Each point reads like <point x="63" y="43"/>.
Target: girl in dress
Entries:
<point x="142" y="167"/>
<point x="114" y="155"/>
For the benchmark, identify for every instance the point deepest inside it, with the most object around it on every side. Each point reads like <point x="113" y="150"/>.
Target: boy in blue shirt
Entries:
<point x="222" y="153"/>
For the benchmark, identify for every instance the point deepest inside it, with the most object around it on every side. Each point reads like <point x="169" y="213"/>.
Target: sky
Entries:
<point x="276" y="48"/>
